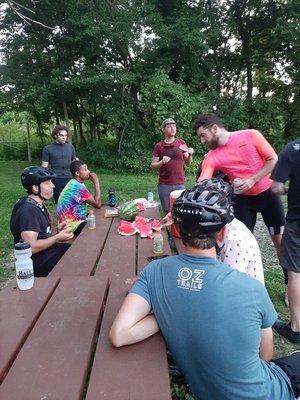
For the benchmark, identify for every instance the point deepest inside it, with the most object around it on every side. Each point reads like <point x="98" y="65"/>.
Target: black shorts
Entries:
<point x="268" y="204"/>
<point x="290" y="247"/>
<point x="45" y="261"/>
<point x="291" y="366"/>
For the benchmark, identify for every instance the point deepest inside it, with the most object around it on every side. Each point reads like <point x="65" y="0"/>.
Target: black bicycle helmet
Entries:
<point x="216" y="183"/>
<point x="202" y="209"/>
<point x="34" y="176"/>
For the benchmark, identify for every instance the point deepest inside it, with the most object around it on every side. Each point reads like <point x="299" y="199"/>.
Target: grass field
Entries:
<point x="128" y="187"/>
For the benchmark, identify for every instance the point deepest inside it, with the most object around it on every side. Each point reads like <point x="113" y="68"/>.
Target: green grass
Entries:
<point x="129" y="187"/>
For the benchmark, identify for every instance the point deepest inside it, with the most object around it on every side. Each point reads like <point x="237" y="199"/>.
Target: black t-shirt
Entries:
<point x="30" y="216"/>
<point x="288" y="168"/>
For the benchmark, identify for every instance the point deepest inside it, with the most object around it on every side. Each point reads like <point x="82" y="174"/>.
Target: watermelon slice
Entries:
<point x="126" y="228"/>
<point x="143" y="226"/>
<point x="141" y="206"/>
<point x="156" y="225"/>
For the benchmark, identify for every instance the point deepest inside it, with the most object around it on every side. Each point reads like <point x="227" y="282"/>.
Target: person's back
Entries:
<point x="211" y="317"/>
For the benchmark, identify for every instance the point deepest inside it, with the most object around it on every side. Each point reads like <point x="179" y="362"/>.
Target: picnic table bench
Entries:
<point x="54" y="338"/>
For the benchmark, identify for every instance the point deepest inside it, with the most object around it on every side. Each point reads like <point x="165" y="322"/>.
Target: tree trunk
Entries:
<point x="67" y="120"/>
<point x="79" y="124"/>
<point x="28" y="142"/>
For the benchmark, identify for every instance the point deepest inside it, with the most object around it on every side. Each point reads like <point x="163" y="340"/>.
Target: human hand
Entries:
<point x="165" y="159"/>
<point x="243" y="185"/>
<point x="187" y="149"/>
<point x="93" y="177"/>
<point x="65" y="234"/>
<point x="62" y="225"/>
<point x="167" y="219"/>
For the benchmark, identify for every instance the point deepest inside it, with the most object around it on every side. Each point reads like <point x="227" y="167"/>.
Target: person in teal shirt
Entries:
<point x="217" y="321"/>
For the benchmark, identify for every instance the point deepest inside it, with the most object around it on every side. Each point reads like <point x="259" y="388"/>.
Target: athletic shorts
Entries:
<point x="291" y="366"/>
<point x="290" y="247"/>
<point x="164" y="195"/>
<point x="267" y="203"/>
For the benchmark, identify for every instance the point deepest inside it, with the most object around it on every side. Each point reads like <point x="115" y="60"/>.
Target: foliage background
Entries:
<point x="113" y="70"/>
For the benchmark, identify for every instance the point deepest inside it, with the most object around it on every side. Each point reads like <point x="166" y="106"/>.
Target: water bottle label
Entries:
<point x="27" y="274"/>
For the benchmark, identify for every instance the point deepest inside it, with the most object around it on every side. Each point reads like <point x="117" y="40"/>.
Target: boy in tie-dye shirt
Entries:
<point x="75" y="197"/>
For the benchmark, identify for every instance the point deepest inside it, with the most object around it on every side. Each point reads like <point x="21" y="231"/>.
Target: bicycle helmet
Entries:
<point x="216" y="183"/>
<point x="35" y="176"/>
<point x="203" y="209"/>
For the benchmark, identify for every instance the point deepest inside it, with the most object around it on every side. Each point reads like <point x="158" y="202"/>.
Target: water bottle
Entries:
<point x="112" y="198"/>
<point x="150" y="197"/>
<point x="91" y="220"/>
<point x="24" y="266"/>
<point x="158" y="243"/>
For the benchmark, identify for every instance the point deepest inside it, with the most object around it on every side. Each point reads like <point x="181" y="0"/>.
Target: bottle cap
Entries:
<point x="22" y="245"/>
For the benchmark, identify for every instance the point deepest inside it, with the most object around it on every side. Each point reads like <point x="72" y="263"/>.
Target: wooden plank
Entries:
<point x="145" y="246"/>
<point x="136" y="372"/>
<point x="83" y="255"/>
<point x="118" y="258"/>
<point x="19" y="311"/>
<point x="54" y="361"/>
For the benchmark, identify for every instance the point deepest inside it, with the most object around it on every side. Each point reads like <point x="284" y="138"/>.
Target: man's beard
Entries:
<point x="213" y="144"/>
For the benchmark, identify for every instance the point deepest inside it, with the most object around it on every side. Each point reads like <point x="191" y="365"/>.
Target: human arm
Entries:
<point x="94" y="199"/>
<point x="207" y="170"/>
<point x="187" y="153"/>
<point x="266" y="344"/>
<point x="133" y="322"/>
<point x="38" y="245"/>
<point x="278" y="188"/>
<point x="45" y="157"/>
<point x="156" y="163"/>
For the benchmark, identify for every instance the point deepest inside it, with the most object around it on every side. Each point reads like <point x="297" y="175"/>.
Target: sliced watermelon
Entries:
<point x="143" y="226"/>
<point x="126" y="228"/>
<point x="141" y="206"/>
<point x="156" y="225"/>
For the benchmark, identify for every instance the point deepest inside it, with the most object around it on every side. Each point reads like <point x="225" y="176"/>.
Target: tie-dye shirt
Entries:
<point x="71" y="205"/>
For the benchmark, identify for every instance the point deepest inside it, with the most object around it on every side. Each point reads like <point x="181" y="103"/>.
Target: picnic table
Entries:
<point x="54" y="337"/>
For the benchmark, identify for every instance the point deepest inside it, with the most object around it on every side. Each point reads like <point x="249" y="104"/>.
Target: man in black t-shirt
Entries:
<point x="31" y="221"/>
<point x="58" y="156"/>
<point x="288" y="169"/>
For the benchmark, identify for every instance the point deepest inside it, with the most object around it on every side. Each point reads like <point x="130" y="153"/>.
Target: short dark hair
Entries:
<point x="75" y="166"/>
<point x="57" y="129"/>
<point x="207" y="120"/>
<point x="198" y="240"/>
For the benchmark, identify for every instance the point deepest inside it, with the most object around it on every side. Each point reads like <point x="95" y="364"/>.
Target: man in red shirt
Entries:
<point x="247" y="159"/>
<point x="169" y="157"/>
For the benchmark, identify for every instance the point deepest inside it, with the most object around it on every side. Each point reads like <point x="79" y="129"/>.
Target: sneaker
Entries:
<point x="286" y="331"/>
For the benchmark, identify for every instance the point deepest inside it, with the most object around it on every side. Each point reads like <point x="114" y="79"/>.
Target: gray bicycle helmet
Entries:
<point x="35" y="176"/>
<point x="215" y="183"/>
<point x="203" y="209"/>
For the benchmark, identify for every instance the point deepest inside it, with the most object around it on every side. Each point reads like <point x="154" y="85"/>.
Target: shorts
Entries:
<point x="291" y="366"/>
<point x="164" y="195"/>
<point x="268" y="204"/>
<point x="290" y="247"/>
<point x="45" y="261"/>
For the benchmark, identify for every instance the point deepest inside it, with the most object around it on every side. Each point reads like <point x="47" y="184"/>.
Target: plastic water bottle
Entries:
<point x="91" y="220"/>
<point x="158" y="243"/>
<point x="112" y="201"/>
<point x="150" y="197"/>
<point x="24" y="266"/>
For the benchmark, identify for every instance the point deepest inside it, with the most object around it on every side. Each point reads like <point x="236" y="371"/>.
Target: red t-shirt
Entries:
<point x="171" y="173"/>
<point x="242" y="156"/>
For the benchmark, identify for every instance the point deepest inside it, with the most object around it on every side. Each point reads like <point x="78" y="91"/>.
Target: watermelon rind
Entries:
<point x="128" y="211"/>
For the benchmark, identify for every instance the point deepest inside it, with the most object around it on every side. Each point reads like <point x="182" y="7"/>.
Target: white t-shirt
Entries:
<point x="239" y="249"/>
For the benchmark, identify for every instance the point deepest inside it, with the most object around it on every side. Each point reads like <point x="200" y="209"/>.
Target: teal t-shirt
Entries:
<point x="211" y="317"/>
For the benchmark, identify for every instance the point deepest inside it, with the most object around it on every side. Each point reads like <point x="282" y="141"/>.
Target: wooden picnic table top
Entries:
<point x="54" y="338"/>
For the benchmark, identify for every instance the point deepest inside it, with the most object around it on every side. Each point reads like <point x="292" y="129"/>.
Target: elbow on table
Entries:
<point x="115" y="338"/>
